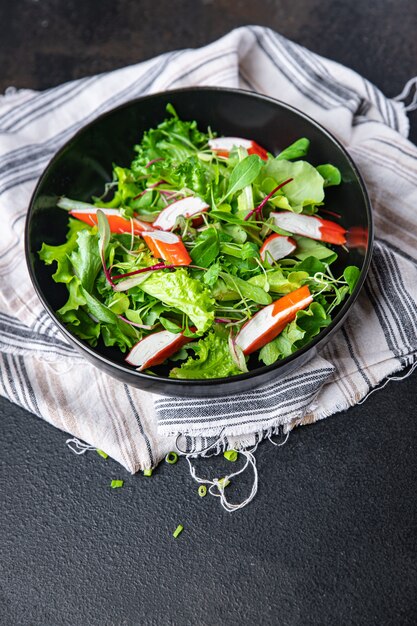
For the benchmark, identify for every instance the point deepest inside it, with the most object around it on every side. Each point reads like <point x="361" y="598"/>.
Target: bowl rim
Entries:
<point x="259" y="371"/>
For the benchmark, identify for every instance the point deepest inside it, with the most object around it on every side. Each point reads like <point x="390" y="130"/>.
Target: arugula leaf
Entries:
<point x="245" y="289"/>
<point x="210" y="277"/>
<point x="206" y="248"/>
<point x="213" y="358"/>
<point x="351" y="275"/>
<point x="330" y="173"/>
<point x="170" y="325"/>
<point x="296" y="150"/>
<point x="244" y="173"/>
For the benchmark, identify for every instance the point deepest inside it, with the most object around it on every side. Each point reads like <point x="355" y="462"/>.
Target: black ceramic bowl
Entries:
<point x="80" y="169"/>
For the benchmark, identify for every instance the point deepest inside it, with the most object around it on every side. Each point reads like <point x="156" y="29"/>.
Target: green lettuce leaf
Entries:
<point x="178" y="289"/>
<point x="82" y="325"/>
<point x="278" y="282"/>
<point x="213" y="358"/>
<point x="114" y="331"/>
<point x="75" y="297"/>
<point x="310" y="247"/>
<point x="307" y="324"/>
<point x="306" y="186"/>
<point x="60" y="254"/>
<point x="85" y="259"/>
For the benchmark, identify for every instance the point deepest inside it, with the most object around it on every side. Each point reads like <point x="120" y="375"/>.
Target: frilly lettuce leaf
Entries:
<point x="178" y="289"/>
<point x="82" y="325"/>
<point x="213" y="358"/>
<point x="60" y="254"/>
<point x="85" y="259"/>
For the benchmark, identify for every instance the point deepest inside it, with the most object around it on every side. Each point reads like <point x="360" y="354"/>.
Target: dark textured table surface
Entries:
<point x="331" y="537"/>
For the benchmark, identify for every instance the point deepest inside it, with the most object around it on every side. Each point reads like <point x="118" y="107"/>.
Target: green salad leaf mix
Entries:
<point x="210" y="281"/>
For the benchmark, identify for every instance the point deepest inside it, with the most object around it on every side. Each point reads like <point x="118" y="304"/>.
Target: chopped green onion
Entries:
<point x="147" y="472"/>
<point x="202" y="491"/>
<point x="116" y="484"/>
<point x="171" y="458"/>
<point x="223" y="482"/>
<point x="231" y="455"/>
<point x="101" y="453"/>
<point x="178" y="530"/>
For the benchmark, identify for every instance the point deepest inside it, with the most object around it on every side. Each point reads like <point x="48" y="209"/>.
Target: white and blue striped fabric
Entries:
<point x="42" y="373"/>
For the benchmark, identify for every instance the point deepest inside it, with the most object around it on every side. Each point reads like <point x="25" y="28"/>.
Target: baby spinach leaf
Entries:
<point x="170" y="325"/>
<point x="351" y="275"/>
<point x="330" y="173"/>
<point x="296" y="150"/>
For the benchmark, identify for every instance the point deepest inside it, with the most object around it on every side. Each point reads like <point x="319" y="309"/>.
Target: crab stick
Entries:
<point x="117" y="223"/>
<point x="186" y="207"/>
<point x="167" y="246"/>
<point x="155" y="348"/>
<point x="270" y="321"/>
<point x="277" y="247"/>
<point x="222" y="146"/>
<point x="357" y="237"/>
<point x="310" y="226"/>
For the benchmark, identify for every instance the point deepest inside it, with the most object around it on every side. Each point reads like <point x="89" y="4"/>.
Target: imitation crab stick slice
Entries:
<point x="186" y="207"/>
<point x="310" y="226"/>
<point x="357" y="237"/>
<point x="117" y="223"/>
<point x="277" y="247"/>
<point x="167" y="246"/>
<point x="155" y="348"/>
<point x="223" y="146"/>
<point x="270" y="321"/>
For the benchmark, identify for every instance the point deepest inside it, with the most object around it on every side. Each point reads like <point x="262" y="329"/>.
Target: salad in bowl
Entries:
<point x="208" y="256"/>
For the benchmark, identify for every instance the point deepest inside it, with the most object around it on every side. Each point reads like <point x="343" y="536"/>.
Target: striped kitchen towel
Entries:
<point x="42" y="373"/>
